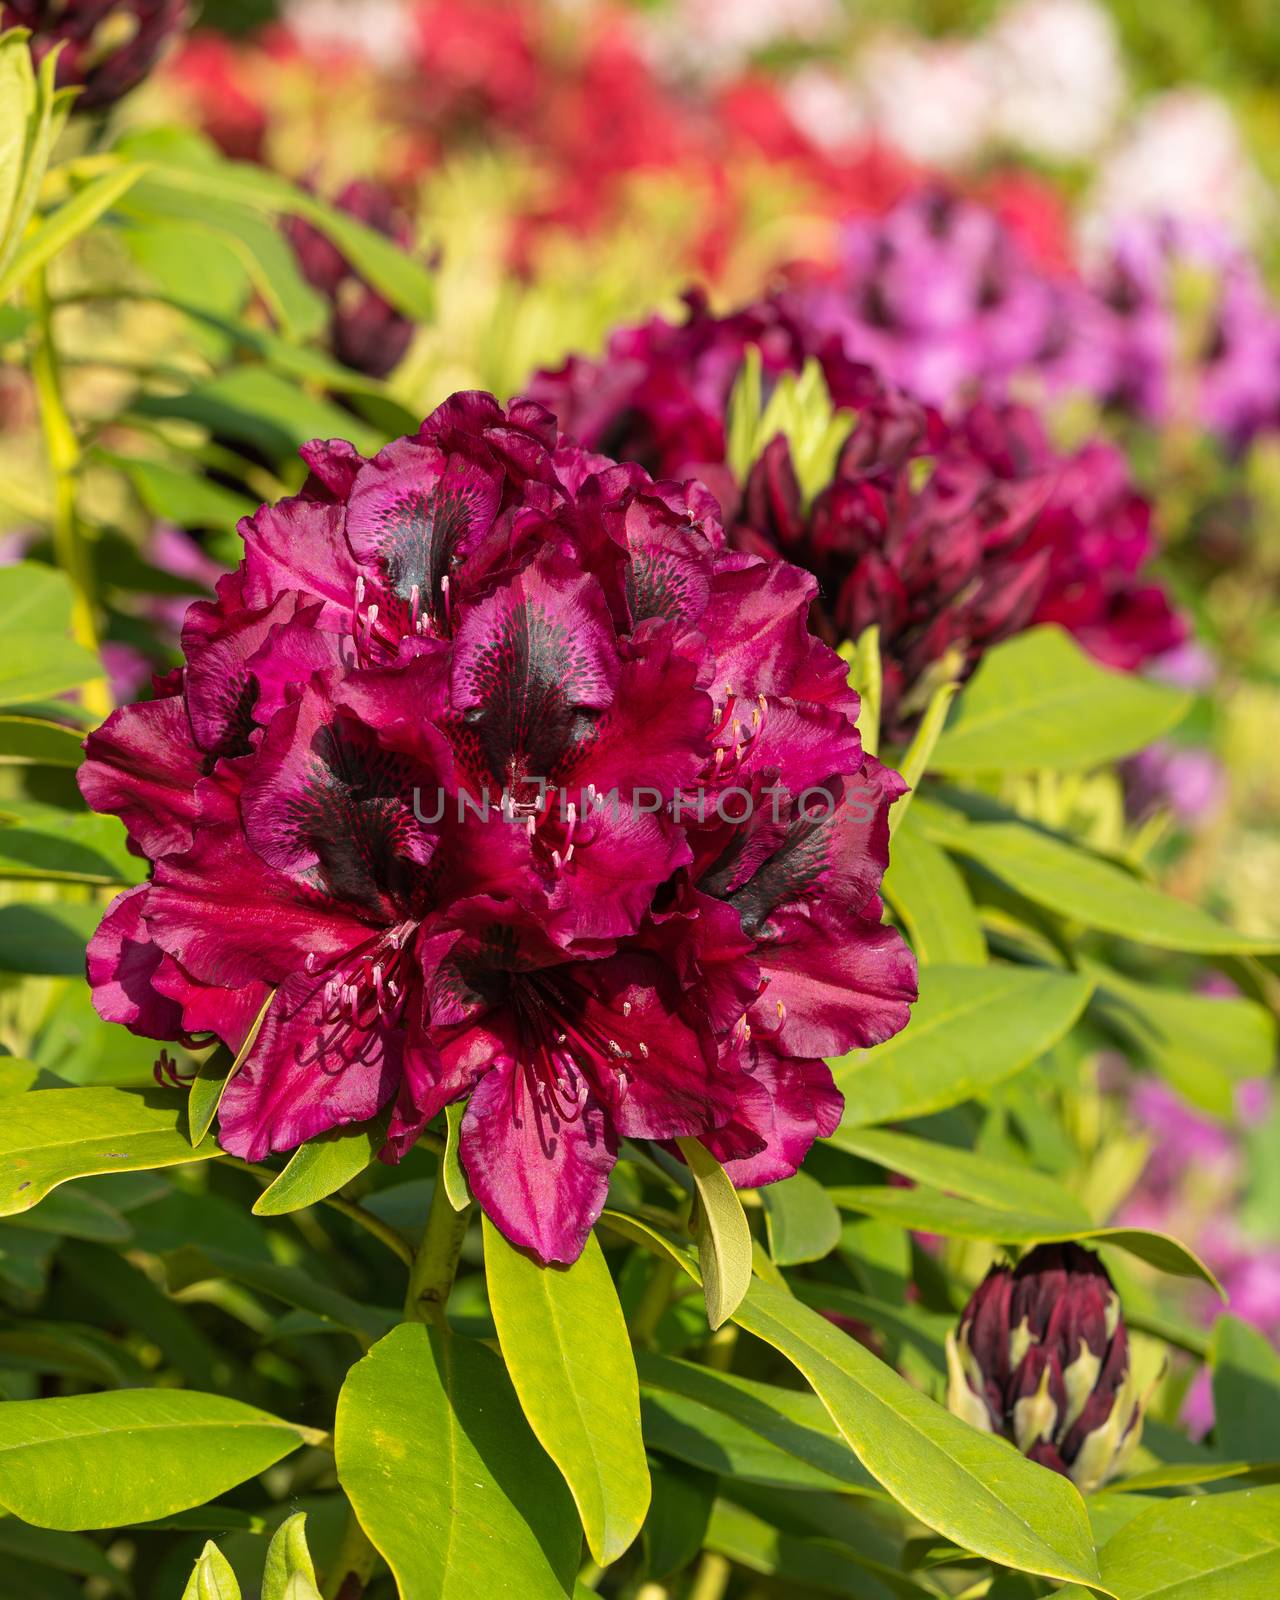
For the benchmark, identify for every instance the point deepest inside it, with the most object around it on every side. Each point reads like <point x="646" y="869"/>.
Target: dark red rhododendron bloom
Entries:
<point x="108" y="46"/>
<point x="1041" y="1356"/>
<point x="670" y="914"/>
<point x="950" y="534"/>
<point x="366" y="332"/>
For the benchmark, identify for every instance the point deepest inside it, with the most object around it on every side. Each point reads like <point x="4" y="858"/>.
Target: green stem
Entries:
<point x="63" y="449"/>
<point x="432" y="1273"/>
<point x="375" y="1226"/>
<point x="712" y="1577"/>
<point x="653" y="1301"/>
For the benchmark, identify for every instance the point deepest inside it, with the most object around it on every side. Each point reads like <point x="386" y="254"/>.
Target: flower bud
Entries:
<point x="1041" y="1357"/>
<point x="108" y="46"/>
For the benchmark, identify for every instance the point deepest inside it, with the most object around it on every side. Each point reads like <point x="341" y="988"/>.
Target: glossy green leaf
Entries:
<point x="321" y="1167"/>
<point x="966" y="1173"/>
<point x="102" y="1460"/>
<point x="289" y="1572"/>
<point x="47" y="939"/>
<point x="180" y="495"/>
<point x="39" y="666"/>
<point x="261" y="408"/>
<point x="59" y="1134"/>
<point x="676" y="1526"/>
<point x="1246" y="1392"/>
<point x="724" y="1239"/>
<point x="212" y="1577"/>
<point x="802" y="1223"/>
<point x="1202" y="1045"/>
<point x="446" y="1477"/>
<point x="928" y="892"/>
<point x="972" y="1028"/>
<point x="43" y="842"/>
<point x="1088" y="889"/>
<point x="452" y="1173"/>
<point x="568" y="1354"/>
<point x="34" y="599"/>
<point x="745" y="1430"/>
<point x="77" y="1214"/>
<point x="970" y="1486"/>
<point x="798" y="1564"/>
<point x="1038" y="700"/>
<point x="37" y="742"/>
<point x="71" y="219"/>
<point x="930" y="1211"/>
<point x="1207" y="1547"/>
<point x="63" y="1552"/>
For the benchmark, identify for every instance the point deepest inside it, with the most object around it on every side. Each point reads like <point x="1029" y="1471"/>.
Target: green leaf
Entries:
<point x="676" y="1526"/>
<point x="33" y="112"/>
<point x="37" y="742"/>
<point x="969" y="1486"/>
<point x="39" y="666"/>
<point x="64" y="1552"/>
<point x="102" y="1460"/>
<point x="1095" y="892"/>
<point x="1208" y="1547"/>
<point x="745" y="1430"/>
<point x="579" y="1393"/>
<point x="76" y="216"/>
<point x="1246" y="1392"/>
<point x="59" y="1134"/>
<point x="802" y="1223"/>
<point x="972" y="1028"/>
<point x="213" y="1578"/>
<point x="801" y="1565"/>
<point x="180" y="495"/>
<point x="724" y="1239"/>
<point x="446" y="1477"/>
<point x="1038" y="700"/>
<point x="304" y="1290"/>
<point x="382" y="263"/>
<point x="49" y="844"/>
<point x="289" y="1573"/>
<point x="915" y="761"/>
<point x="77" y="1214"/>
<point x="321" y="1167"/>
<point x="452" y="1173"/>
<point x="930" y="1211"/>
<point x="47" y="939"/>
<point x="1202" y="1045"/>
<point x="34" y="599"/>
<point x="258" y="407"/>
<point x="928" y="892"/>
<point x="965" y="1173"/>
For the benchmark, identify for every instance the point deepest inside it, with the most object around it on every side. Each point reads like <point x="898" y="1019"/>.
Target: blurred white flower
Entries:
<point x="715" y="38"/>
<point x="382" y="30"/>
<point x="1183" y="157"/>
<point x="825" y="105"/>
<point x="1057" y="77"/>
<point x="932" y="100"/>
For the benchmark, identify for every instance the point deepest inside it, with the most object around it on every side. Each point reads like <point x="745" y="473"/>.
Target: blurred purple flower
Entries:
<point x="108" y="46"/>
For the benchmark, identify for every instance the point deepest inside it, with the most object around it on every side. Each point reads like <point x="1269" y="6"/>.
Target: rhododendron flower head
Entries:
<point x="108" y="46"/>
<point x="492" y="772"/>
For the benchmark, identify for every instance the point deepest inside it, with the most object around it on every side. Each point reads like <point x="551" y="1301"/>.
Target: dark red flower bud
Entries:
<point x="108" y="46"/>
<point x="1041" y="1357"/>
<point x="366" y="333"/>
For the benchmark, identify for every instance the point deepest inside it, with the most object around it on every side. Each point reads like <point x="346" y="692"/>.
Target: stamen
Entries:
<point x="626" y="1008"/>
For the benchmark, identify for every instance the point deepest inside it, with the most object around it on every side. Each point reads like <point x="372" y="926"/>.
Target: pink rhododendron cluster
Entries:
<point x="948" y="533"/>
<point x="493" y="771"/>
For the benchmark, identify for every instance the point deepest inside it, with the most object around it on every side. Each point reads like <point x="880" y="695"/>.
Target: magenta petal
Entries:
<point x="299" y="545"/>
<point x="307" y="1074"/>
<point x="800" y="1104"/>
<point x="143" y="765"/>
<point x="122" y="963"/>
<point x="231" y="920"/>
<point x="540" y="1176"/>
